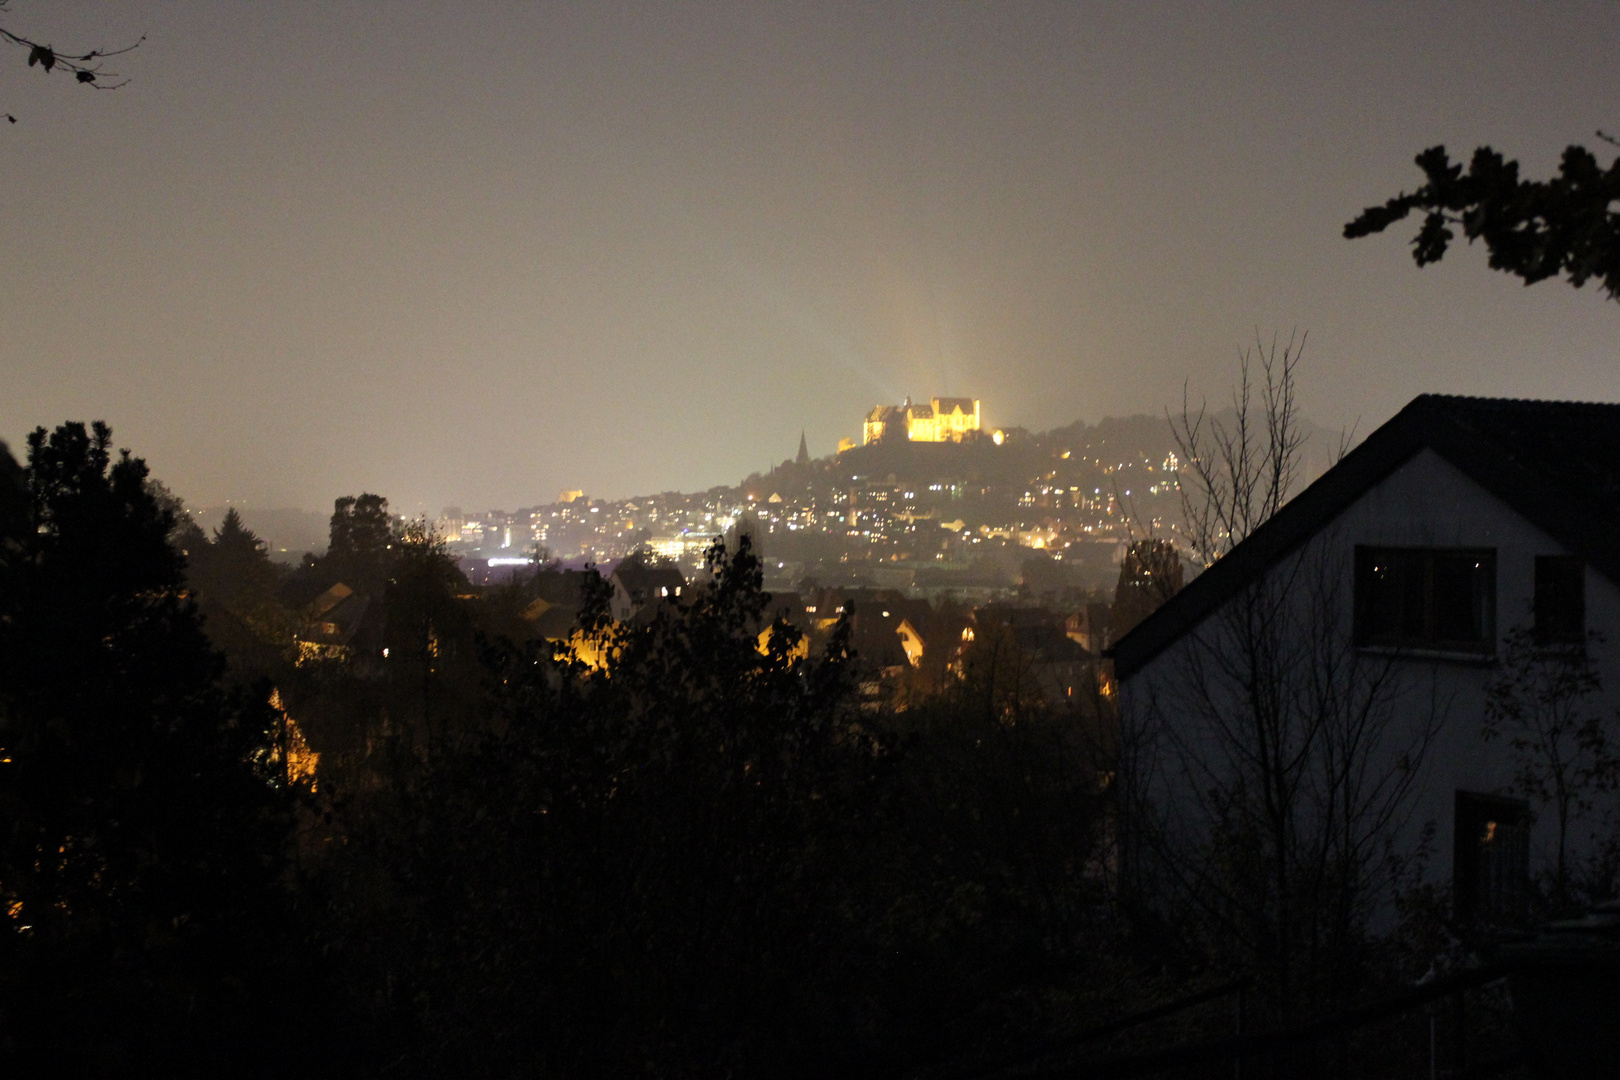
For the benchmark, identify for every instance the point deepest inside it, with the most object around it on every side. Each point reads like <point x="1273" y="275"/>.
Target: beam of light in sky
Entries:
<point x="475" y="254"/>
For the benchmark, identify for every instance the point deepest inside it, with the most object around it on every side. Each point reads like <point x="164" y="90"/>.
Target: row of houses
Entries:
<point x="901" y="642"/>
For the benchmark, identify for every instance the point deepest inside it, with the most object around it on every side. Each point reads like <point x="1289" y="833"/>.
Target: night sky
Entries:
<point x="474" y="253"/>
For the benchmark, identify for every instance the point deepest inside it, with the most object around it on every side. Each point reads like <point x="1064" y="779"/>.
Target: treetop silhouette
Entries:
<point x="1533" y="229"/>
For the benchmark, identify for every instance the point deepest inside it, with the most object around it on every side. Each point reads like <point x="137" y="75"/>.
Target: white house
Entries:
<point x="640" y="584"/>
<point x="1352" y="637"/>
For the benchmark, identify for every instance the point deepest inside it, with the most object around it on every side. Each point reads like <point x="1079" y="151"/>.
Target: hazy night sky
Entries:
<point x="473" y="253"/>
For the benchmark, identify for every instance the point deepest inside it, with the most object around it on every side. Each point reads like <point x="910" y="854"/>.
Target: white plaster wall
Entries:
<point x="1425" y="503"/>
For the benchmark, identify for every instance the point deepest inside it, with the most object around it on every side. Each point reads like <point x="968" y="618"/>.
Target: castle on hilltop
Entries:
<point x="941" y="420"/>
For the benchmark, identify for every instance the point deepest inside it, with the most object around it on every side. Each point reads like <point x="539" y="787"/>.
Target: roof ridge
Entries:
<point x="1539" y="402"/>
<point x="1504" y="459"/>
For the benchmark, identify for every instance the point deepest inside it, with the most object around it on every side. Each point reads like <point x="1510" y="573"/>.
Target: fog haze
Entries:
<point x="477" y="253"/>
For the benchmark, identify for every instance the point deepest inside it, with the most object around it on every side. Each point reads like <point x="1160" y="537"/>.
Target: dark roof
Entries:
<point x="789" y="606"/>
<point x="557" y="623"/>
<point x="337" y="616"/>
<point x="1040" y="632"/>
<point x="328" y="600"/>
<point x="648" y="581"/>
<point x="875" y="635"/>
<point x="565" y="588"/>
<point x="1556" y="462"/>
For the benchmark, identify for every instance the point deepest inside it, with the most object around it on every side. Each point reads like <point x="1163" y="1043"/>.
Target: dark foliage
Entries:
<point x="237" y="589"/>
<point x="667" y="850"/>
<point x="1533" y="229"/>
<point x="87" y="68"/>
<point x="361" y="543"/>
<point x="679" y="845"/>
<point x="638" y="865"/>
<point x="232" y="567"/>
<point x="1001" y="936"/>
<point x="1149" y="575"/>
<point x="141" y="855"/>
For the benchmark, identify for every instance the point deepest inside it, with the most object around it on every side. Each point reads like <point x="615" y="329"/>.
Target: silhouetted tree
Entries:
<point x="13" y="505"/>
<point x="1234" y="476"/>
<point x="361" y="543"/>
<point x="237" y="589"/>
<point x="1533" y="229"/>
<point x="1543" y="701"/>
<point x="1149" y="575"/>
<point x="235" y="564"/>
<point x="1263" y="781"/>
<point x="638" y="865"/>
<point x="433" y="666"/>
<point x="144" y="818"/>
<point x="996" y="922"/>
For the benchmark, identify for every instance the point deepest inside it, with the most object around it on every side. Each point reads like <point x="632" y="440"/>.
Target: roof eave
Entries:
<point x="1391" y="446"/>
<point x="1424" y="423"/>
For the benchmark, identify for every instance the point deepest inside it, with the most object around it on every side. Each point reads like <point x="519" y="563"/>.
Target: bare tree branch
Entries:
<point x="87" y="68"/>
<point x="1284" y="767"/>
<point x="1235" y="477"/>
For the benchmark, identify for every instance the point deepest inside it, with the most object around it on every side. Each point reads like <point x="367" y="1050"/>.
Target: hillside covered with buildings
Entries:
<point x="928" y="503"/>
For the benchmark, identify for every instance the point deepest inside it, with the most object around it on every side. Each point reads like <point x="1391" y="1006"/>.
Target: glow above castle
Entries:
<point x="941" y="420"/>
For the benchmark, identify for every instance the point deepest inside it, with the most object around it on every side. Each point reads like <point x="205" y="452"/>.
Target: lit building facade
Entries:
<point x="941" y="420"/>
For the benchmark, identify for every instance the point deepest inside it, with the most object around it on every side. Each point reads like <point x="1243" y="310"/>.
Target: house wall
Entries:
<point x="1425" y="503"/>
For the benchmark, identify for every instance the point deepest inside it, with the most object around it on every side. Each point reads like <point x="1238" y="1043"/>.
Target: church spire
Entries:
<point x="804" y="451"/>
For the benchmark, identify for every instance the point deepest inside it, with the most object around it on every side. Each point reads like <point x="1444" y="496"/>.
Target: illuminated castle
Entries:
<point x="941" y="420"/>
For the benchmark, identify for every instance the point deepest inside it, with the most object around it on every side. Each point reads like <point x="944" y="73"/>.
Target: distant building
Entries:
<point x="882" y="421"/>
<point x="338" y="623"/>
<point x="639" y="582"/>
<point x="941" y="420"/>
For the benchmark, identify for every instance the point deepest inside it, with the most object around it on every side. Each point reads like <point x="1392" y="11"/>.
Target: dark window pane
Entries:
<point x="1412" y="572"/>
<point x="1436" y="598"/>
<point x="1560" y="604"/>
<point x="1378" y="598"/>
<point x="1459" y="601"/>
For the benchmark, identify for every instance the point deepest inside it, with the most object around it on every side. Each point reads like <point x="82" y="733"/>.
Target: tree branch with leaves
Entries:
<point x="1534" y="229"/>
<point x="1543" y="701"/>
<point x="87" y="68"/>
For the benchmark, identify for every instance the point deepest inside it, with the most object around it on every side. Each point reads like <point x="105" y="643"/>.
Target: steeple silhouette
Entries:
<point x="804" y="451"/>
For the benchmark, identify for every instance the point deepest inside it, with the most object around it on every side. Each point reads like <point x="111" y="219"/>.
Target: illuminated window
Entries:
<point x="1426" y="598"/>
<point x="1490" y="872"/>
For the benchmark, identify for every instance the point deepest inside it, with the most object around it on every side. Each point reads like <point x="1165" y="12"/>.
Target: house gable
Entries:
<point x="1557" y="464"/>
